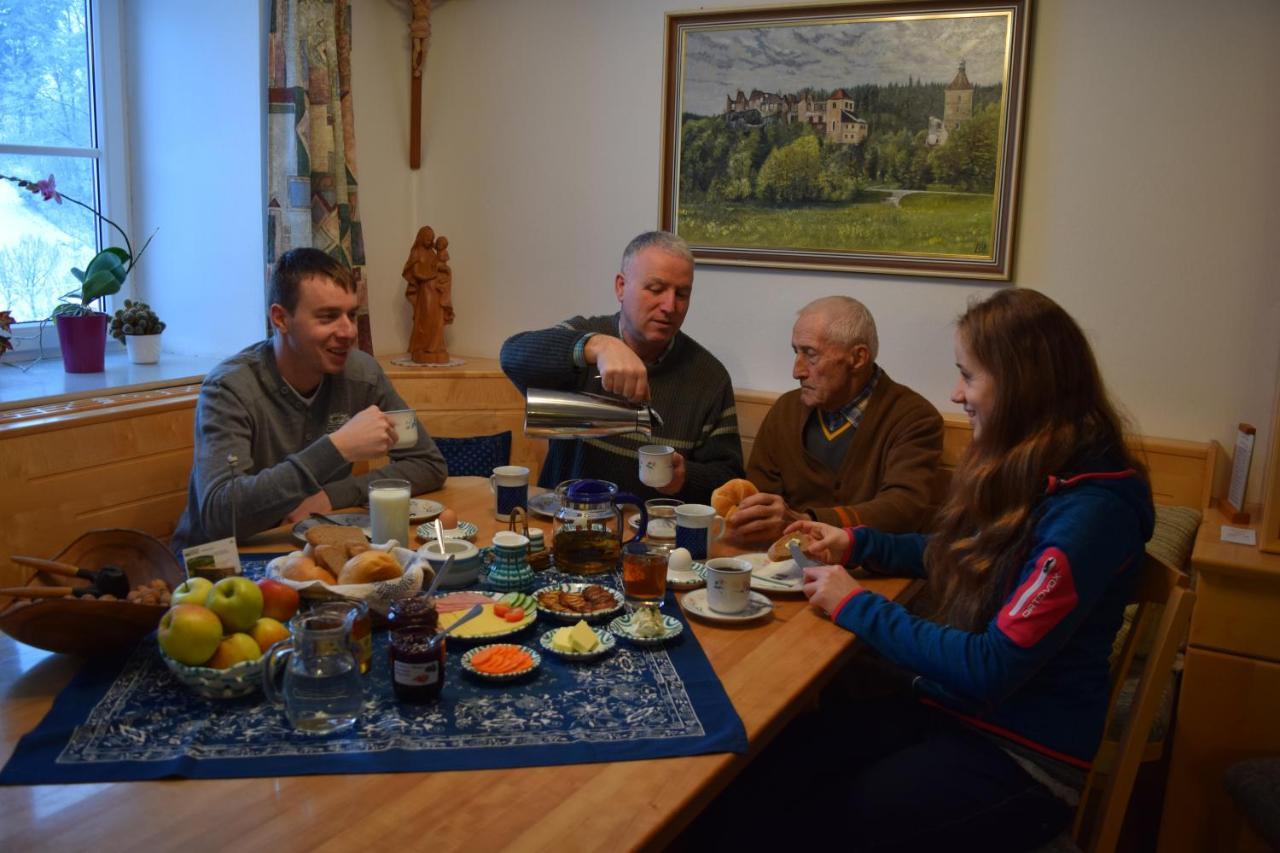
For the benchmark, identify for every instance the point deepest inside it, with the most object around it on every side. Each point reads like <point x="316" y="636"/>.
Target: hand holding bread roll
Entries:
<point x="726" y="498"/>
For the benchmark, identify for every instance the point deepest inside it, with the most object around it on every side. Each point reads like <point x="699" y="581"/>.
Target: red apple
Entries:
<point x="234" y="649"/>
<point x="237" y="601"/>
<point x="189" y="633"/>
<point x="279" y="601"/>
<point x="267" y="632"/>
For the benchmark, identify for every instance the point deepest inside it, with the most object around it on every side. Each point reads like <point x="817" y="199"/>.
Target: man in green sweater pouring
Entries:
<point x="639" y="354"/>
<point x="848" y="447"/>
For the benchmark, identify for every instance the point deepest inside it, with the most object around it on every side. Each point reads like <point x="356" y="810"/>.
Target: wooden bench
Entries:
<point x="124" y="460"/>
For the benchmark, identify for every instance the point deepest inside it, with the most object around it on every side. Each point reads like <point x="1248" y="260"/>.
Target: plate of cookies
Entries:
<point x="569" y="602"/>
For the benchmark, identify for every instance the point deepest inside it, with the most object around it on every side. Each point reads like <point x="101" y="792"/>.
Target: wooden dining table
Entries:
<point x="771" y="670"/>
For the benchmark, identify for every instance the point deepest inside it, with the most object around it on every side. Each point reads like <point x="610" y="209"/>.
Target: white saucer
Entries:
<point x="695" y="603"/>
<point x="692" y="578"/>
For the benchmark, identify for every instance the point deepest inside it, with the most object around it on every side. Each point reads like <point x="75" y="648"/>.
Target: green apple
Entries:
<point x="234" y="649"/>
<point x="237" y="601"/>
<point x="189" y="633"/>
<point x="267" y="632"/>
<point x="192" y="591"/>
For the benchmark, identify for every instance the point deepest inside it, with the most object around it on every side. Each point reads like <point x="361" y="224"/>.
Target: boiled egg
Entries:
<point x="679" y="560"/>
<point x="448" y="519"/>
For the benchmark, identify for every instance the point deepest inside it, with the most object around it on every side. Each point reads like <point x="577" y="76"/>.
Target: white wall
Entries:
<point x="1148" y="203"/>
<point x="196" y="94"/>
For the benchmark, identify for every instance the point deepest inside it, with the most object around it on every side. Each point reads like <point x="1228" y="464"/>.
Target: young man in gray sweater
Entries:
<point x="639" y="354"/>
<point x="295" y="411"/>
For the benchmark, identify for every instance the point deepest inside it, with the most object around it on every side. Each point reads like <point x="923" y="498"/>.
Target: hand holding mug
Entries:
<point x="367" y="435"/>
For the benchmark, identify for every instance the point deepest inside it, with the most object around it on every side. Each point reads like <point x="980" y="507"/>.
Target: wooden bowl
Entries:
<point x="90" y="627"/>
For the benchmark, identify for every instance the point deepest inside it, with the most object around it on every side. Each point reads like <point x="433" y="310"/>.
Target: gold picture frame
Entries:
<point x="870" y="137"/>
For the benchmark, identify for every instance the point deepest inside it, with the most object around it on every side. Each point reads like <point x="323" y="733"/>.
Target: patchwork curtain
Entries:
<point x="311" y="159"/>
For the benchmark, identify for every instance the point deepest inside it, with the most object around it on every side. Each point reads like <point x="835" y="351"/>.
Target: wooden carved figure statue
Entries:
<point x="430" y="292"/>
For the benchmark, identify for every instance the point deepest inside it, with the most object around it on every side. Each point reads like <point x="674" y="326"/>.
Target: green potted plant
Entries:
<point x="82" y="331"/>
<point x="138" y="328"/>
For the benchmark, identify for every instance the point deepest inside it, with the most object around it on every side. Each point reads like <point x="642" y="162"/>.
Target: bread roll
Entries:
<point x="299" y="567"/>
<point x="780" y="551"/>
<point x="369" y="567"/>
<point x="726" y="498"/>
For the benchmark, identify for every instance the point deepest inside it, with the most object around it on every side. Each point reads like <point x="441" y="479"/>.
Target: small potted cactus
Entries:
<point x="138" y="328"/>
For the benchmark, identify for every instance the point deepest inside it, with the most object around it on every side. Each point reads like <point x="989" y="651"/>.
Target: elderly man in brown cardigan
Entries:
<point x="850" y="446"/>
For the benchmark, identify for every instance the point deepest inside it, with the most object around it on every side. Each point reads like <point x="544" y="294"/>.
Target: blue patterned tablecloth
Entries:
<point x="129" y="719"/>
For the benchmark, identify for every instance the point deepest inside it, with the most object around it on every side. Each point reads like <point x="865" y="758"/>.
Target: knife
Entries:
<point x="796" y="554"/>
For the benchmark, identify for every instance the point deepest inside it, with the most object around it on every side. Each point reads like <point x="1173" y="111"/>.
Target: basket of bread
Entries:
<point x="338" y="563"/>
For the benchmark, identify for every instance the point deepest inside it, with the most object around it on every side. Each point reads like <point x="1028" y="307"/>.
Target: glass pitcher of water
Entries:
<point x="322" y="692"/>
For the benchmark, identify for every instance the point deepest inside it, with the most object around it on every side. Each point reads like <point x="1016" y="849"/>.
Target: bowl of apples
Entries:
<point x="215" y="637"/>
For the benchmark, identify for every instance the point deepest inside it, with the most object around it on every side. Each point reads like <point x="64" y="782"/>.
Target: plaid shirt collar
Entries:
<point x="852" y="412"/>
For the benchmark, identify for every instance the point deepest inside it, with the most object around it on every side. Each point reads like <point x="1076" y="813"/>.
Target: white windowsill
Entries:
<point x="46" y="382"/>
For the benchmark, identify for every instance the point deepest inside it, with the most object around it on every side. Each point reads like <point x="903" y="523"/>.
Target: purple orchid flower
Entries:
<point x="48" y="189"/>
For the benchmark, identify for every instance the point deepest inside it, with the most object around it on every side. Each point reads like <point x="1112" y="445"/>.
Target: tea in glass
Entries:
<point x="644" y="574"/>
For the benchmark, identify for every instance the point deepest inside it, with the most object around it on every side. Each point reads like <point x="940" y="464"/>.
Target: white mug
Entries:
<point x="728" y="584"/>
<point x="657" y="464"/>
<point x="696" y="528"/>
<point x="406" y="423"/>
<point x="510" y="486"/>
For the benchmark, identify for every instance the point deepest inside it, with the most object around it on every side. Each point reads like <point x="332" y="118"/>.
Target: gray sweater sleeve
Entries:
<point x="224" y="428"/>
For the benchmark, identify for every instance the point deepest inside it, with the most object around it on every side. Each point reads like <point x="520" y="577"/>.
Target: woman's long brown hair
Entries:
<point x="1050" y="414"/>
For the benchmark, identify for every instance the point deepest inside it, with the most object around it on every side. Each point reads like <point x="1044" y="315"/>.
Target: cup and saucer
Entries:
<point x="728" y="596"/>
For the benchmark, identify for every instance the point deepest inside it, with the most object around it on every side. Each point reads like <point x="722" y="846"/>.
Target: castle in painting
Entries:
<point x="957" y="108"/>
<point x="834" y="118"/>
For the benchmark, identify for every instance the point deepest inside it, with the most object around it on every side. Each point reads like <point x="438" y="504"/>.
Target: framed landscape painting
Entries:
<point x="878" y="137"/>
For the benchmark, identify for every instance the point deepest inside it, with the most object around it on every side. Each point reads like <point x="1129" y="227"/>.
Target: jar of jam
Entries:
<point x="416" y="654"/>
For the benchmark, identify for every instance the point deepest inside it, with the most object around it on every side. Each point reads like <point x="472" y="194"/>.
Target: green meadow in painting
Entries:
<point x="844" y="137"/>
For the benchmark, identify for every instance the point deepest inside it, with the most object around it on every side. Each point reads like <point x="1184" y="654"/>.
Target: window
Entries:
<point x="59" y="80"/>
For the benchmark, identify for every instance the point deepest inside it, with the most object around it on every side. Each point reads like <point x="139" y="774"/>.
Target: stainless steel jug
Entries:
<point x="566" y="414"/>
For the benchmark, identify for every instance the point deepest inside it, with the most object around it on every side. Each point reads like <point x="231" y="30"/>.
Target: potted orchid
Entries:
<point x="6" y="320"/>
<point x="82" y="330"/>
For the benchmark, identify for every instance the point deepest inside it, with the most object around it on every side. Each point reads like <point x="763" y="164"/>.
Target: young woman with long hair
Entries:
<point x="1034" y="556"/>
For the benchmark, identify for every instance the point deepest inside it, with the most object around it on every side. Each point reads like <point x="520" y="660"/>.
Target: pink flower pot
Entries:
<point x="84" y="342"/>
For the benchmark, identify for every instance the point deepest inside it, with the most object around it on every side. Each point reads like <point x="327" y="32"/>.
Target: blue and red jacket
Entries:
<point x="1037" y="673"/>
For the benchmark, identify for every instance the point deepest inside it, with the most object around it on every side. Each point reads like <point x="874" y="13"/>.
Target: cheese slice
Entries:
<point x="582" y="637"/>
<point x="561" y="642"/>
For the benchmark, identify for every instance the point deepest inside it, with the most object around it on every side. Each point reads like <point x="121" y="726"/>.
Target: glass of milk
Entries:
<point x="389" y="511"/>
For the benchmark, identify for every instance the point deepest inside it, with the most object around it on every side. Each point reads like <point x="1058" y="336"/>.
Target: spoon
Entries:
<point x="435" y="582"/>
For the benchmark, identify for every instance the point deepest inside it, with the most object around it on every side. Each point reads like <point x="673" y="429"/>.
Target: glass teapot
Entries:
<point x="588" y="526"/>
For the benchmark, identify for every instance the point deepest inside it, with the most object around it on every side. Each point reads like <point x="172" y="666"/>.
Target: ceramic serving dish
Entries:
<point x="239" y="680"/>
<point x="86" y="626"/>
